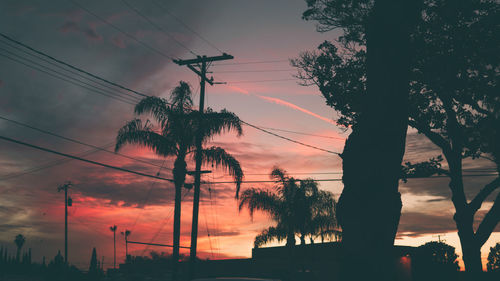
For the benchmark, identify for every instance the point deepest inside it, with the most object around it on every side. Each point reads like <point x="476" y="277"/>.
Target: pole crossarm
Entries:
<point x="204" y="77"/>
<point x="155" y="244"/>
<point x="205" y="58"/>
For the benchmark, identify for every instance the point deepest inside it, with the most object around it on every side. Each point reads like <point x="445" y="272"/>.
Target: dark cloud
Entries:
<point x="414" y="224"/>
<point x="89" y="32"/>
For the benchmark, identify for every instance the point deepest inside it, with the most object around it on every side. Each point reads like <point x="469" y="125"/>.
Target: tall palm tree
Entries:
<point x="175" y="137"/>
<point x="113" y="229"/>
<point x="126" y="234"/>
<point x="19" y="240"/>
<point x="297" y="206"/>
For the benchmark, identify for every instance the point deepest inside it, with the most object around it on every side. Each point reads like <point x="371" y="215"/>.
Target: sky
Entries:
<point x="251" y="31"/>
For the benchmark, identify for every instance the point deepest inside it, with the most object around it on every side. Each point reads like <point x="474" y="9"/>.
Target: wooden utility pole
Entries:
<point x="65" y="188"/>
<point x="201" y="63"/>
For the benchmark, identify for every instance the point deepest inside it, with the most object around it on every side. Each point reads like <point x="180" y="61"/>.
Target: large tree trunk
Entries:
<point x="464" y="217"/>
<point x="370" y="205"/>
<point x="179" y="172"/>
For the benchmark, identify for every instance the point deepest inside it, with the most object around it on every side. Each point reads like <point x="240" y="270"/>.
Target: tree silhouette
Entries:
<point x="126" y="234"/>
<point x="297" y="206"/>
<point x="175" y="136"/>
<point x="19" y="240"/>
<point x="454" y="98"/>
<point x="435" y="261"/>
<point x="493" y="263"/>
<point x="113" y="229"/>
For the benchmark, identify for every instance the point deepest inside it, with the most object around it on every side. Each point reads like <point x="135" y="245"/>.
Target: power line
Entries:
<point x="152" y="49"/>
<point x="332" y="180"/>
<point x="64" y="69"/>
<point x="260" y="81"/>
<point x="71" y="66"/>
<point x="302" y="133"/>
<point x="147" y="197"/>
<point x="261" y="70"/>
<point x="165" y="221"/>
<point x="122" y="99"/>
<point x="80" y="142"/>
<point x="97" y="77"/>
<point x="251" y="62"/>
<point x="288" y="139"/>
<point x="186" y="26"/>
<point x="264" y="181"/>
<point x="299" y="173"/>
<point x="82" y="159"/>
<point x="50" y="164"/>
<point x="157" y="26"/>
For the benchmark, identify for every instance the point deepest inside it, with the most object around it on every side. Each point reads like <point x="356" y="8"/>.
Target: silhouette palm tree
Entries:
<point x="126" y="234"/>
<point x="113" y="229"/>
<point x="297" y="207"/>
<point x="19" y="240"/>
<point x="178" y="126"/>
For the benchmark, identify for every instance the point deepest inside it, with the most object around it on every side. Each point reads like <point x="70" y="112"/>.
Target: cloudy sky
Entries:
<point x="268" y="32"/>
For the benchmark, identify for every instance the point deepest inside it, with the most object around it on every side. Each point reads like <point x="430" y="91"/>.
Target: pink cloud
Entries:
<point x="284" y="103"/>
<point x="296" y="107"/>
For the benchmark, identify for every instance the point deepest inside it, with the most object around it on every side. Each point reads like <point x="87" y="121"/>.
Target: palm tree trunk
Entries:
<point x="179" y="172"/>
<point x="369" y="207"/>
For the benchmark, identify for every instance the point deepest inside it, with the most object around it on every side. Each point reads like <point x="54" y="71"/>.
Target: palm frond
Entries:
<point x="268" y="235"/>
<point x="221" y="158"/>
<point x="134" y="132"/>
<point x="181" y="97"/>
<point x="262" y="200"/>
<point x="216" y="123"/>
<point x="155" y="106"/>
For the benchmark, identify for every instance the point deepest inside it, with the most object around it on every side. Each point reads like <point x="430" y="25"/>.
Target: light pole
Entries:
<point x="67" y="202"/>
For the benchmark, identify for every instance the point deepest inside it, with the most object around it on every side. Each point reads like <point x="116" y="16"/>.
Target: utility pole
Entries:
<point x="67" y="202"/>
<point x="113" y="229"/>
<point x="201" y="63"/>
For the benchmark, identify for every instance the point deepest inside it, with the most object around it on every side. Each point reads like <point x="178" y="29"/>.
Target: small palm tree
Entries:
<point x="19" y="240"/>
<point x="297" y="207"/>
<point x="175" y="136"/>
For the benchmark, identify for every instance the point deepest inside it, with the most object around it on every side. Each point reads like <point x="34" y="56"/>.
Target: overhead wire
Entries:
<point x="302" y="133"/>
<point x="64" y="69"/>
<point x="50" y="164"/>
<point x="260" y="81"/>
<point x="158" y="4"/>
<point x="70" y="65"/>
<point x="79" y="142"/>
<point x="152" y="23"/>
<point x="165" y="221"/>
<point x="62" y="77"/>
<point x="289" y="139"/>
<point x="107" y="81"/>
<point x="251" y="62"/>
<point x="147" y="46"/>
<point x="81" y="159"/>
<point x="146" y="199"/>
<point x="261" y="70"/>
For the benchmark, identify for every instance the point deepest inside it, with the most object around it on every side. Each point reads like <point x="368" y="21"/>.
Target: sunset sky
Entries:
<point x="251" y="31"/>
